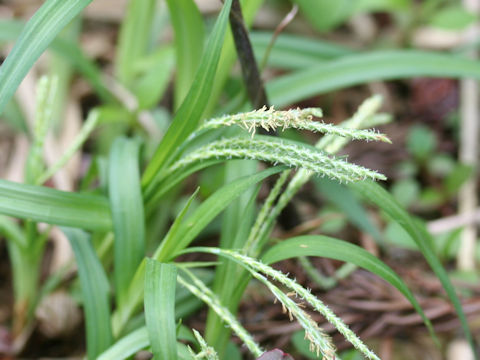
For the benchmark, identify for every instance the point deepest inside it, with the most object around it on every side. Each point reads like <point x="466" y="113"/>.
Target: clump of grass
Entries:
<point x="114" y="212"/>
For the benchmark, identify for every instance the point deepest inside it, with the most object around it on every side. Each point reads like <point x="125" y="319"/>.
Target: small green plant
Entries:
<point x="133" y="289"/>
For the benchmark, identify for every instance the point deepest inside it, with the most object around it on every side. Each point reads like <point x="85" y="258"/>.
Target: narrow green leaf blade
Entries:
<point x="43" y="204"/>
<point x="11" y="30"/>
<point x="160" y="284"/>
<point x="183" y="233"/>
<point x="40" y="30"/>
<point x="134" y="38"/>
<point x="95" y="293"/>
<point x="295" y="52"/>
<point x="190" y="112"/>
<point x="375" y="194"/>
<point x="361" y="68"/>
<point x="317" y="245"/>
<point x="207" y="211"/>
<point x="189" y="37"/>
<point x="126" y="204"/>
<point x="127" y="346"/>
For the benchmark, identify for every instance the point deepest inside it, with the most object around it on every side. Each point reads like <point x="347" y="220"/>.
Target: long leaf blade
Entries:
<point x="317" y="245"/>
<point x="134" y="38"/>
<point x="190" y="112"/>
<point x="43" y="204"/>
<point x="126" y="204"/>
<point x="127" y="346"/>
<point x="184" y="233"/>
<point x="189" y="37"/>
<point x="95" y="293"/>
<point x="160" y="284"/>
<point x="11" y="29"/>
<point x="207" y="211"/>
<point x="374" y="193"/>
<point x="360" y="68"/>
<point x="40" y="30"/>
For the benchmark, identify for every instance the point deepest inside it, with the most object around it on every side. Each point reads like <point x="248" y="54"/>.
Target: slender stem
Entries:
<point x="251" y="74"/>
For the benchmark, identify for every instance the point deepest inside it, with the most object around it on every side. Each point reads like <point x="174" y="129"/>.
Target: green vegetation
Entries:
<point x="132" y="218"/>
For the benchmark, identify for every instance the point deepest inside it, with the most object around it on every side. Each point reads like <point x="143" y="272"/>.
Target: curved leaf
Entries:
<point x="183" y="233"/>
<point x="317" y="245"/>
<point x="295" y="52"/>
<point x="39" y="32"/>
<point x="127" y="346"/>
<point x="11" y="29"/>
<point x="43" y="204"/>
<point x="361" y="68"/>
<point x="207" y="211"/>
<point x="190" y="112"/>
<point x="374" y="193"/>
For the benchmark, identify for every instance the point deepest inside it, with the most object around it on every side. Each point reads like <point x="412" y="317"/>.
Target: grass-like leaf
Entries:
<point x="127" y="346"/>
<point x="295" y="52"/>
<point x="40" y="30"/>
<point x="11" y="30"/>
<point x="160" y="283"/>
<point x="126" y="204"/>
<point x="317" y="245"/>
<point x="206" y="212"/>
<point x="361" y="68"/>
<point x="136" y="286"/>
<point x="134" y="38"/>
<point x="183" y="233"/>
<point x="377" y="195"/>
<point x="42" y="204"/>
<point x="95" y="293"/>
<point x="190" y="112"/>
<point x="189" y="30"/>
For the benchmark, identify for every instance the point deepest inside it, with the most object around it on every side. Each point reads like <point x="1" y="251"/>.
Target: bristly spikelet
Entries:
<point x="200" y="290"/>
<point x="207" y="352"/>
<point x="301" y="119"/>
<point x="320" y="342"/>
<point x="279" y="152"/>
<point x="257" y="268"/>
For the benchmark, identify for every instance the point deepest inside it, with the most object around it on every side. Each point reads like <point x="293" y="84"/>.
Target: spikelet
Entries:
<point x="200" y="290"/>
<point x="301" y="119"/>
<point x="207" y="352"/>
<point x="258" y="270"/>
<point x="279" y="152"/>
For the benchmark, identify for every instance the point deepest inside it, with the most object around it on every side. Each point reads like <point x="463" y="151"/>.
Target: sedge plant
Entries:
<point x="134" y="290"/>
